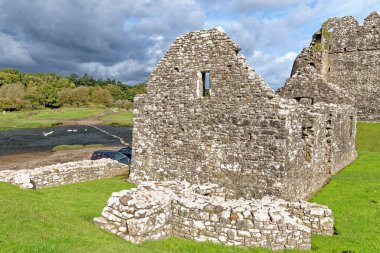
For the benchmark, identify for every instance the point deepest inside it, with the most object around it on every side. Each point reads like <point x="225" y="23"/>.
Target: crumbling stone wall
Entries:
<point x="347" y="54"/>
<point x="242" y="135"/>
<point x="308" y="86"/>
<point x="156" y="210"/>
<point x="64" y="173"/>
<point x="323" y="146"/>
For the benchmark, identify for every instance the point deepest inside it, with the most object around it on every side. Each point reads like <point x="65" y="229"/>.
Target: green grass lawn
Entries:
<point x="51" y="117"/>
<point x="67" y="113"/>
<point x="78" y="146"/>
<point x="354" y="197"/>
<point x="59" y="219"/>
<point x="12" y="120"/>
<point x="119" y="118"/>
<point x="368" y="137"/>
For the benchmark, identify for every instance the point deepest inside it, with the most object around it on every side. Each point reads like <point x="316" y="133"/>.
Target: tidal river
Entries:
<point x="44" y="139"/>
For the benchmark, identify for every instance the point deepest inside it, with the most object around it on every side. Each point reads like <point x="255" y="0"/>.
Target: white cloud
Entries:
<point x="13" y="52"/>
<point x="337" y="8"/>
<point x="277" y="30"/>
<point x="288" y="57"/>
<point x="274" y="69"/>
<point x="270" y="5"/>
<point x="124" y="68"/>
<point x="220" y="29"/>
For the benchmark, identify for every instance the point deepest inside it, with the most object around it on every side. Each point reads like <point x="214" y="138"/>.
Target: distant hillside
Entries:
<point x="27" y="91"/>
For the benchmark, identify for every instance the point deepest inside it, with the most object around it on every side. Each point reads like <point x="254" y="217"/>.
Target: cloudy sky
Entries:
<point x="125" y="39"/>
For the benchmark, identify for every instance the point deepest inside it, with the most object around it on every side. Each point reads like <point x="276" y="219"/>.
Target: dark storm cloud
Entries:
<point x="118" y="39"/>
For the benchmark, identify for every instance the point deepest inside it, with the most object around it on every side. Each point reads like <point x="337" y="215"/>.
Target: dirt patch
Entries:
<point x="38" y="159"/>
<point x="83" y="122"/>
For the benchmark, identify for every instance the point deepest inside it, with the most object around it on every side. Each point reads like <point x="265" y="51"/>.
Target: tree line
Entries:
<point x="32" y="91"/>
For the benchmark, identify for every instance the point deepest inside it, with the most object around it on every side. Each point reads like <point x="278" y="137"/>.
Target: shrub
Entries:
<point x="125" y="104"/>
<point x="7" y="104"/>
<point x="101" y="96"/>
<point x="76" y="96"/>
<point x="11" y="97"/>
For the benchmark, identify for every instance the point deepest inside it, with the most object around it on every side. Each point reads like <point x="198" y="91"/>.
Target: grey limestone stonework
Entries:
<point x="219" y="156"/>
<point x="344" y="54"/>
<point x="157" y="210"/>
<point x="64" y="173"/>
<point x="240" y="135"/>
<point x="308" y="85"/>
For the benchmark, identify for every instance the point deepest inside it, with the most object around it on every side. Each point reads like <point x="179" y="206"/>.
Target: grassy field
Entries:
<point x="78" y="146"/>
<point x="118" y="119"/>
<point x="51" y="117"/>
<point x="354" y="197"/>
<point x="59" y="219"/>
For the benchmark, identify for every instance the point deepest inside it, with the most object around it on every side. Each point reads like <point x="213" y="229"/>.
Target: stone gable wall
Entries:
<point x="243" y="136"/>
<point x="227" y="137"/>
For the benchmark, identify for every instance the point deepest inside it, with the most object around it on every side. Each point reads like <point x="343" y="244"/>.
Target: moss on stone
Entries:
<point x="318" y="46"/>
<point x="325" y="30"/>
<point x="326" y="33"/>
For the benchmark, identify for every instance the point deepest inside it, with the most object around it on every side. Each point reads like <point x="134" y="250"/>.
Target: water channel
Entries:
<point x="44" y="139"/>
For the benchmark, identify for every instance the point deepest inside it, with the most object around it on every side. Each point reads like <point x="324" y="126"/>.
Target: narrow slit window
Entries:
<point x="206" y="84"/>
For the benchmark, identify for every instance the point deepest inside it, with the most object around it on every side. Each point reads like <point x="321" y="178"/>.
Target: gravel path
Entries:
<point x="37" y="159"/>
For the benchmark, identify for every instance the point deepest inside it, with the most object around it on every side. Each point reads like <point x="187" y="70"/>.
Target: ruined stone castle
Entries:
<point x="341" y="65"/>
<point x="212" y="141"/>
<point x="208" y="117"/>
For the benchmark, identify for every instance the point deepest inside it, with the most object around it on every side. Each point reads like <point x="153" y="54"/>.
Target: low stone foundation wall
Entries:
<point x="64" y="173"/>
<point x="156" y="210"/>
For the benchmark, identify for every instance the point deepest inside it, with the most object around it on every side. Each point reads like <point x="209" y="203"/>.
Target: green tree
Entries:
<point x="63" y="83"/>
<point x="33" y="96"/>
<point x="49" y="95"/>
<point x="51" y="90"/>
<point x="134" y="90"/>
<point x="118" y="92"/>
<point x="73" y="78"/>
<point x="9" y="76"/>
<point x="86" y="80"/>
